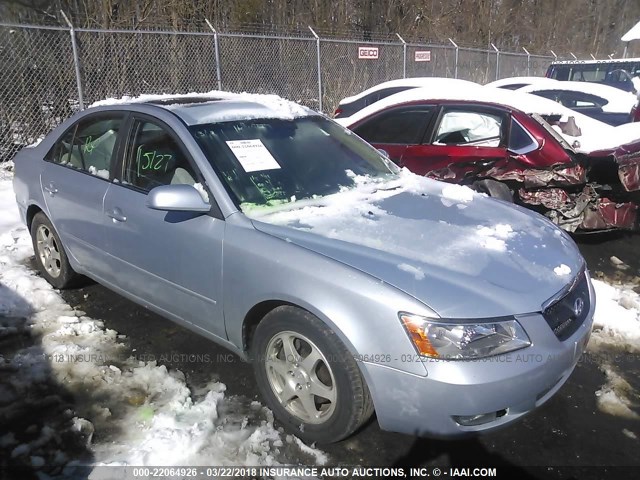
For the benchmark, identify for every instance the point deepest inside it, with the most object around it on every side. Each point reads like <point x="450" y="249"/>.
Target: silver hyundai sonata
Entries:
<point x="351" y="285"/>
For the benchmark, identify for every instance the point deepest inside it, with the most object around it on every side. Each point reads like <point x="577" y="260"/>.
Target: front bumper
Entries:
<point x="505" y="387"/>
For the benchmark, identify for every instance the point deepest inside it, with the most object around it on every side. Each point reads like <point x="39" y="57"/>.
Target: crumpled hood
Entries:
<point x="461" y="253"/>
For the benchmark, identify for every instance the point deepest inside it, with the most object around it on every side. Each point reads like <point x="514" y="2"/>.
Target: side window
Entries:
<point x="520" y="141"/>
<point x="588" y="73"/>
<point x="403" y="127"/>
<point x="88" y="146"/>
<point x="461" y="127"/>
<point x="154" y="158"/>
<point x="581" y="100"/>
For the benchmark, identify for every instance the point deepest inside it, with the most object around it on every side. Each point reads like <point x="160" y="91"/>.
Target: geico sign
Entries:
<point x="370" y="53"/>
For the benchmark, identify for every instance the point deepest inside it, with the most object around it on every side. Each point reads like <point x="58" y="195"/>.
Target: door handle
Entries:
<point x="116" y="215"/>
<point x="50" y="189"/>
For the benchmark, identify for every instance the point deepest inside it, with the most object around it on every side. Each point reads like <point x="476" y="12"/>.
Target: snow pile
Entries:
<point x="452" y="194"/>
<point x="8" y="208"/>
<point x="617" y="317"/>
<point x="126" y="412"/>
<point x="562" y="269"/>
<point x="495" y="237"/>
<point x="613" y="397"/>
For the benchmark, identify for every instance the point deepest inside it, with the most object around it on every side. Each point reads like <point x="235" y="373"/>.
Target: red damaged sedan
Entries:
<point x="582" y="174"/>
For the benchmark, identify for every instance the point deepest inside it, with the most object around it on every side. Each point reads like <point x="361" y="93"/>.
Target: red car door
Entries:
<point x="464" y="141"/>
<point x="395" y="129"/>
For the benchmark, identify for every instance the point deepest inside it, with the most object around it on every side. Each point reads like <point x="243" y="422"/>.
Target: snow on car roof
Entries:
<point x="218" y="106"/>
<point x="408" y="82"/>
<point x="452" y="91"/>
<point x="595" y="135"/>
<point x="520" y="80"/>
<point x="617" y="100"/>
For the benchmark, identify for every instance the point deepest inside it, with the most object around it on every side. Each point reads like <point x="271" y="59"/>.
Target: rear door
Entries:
<point x="171" y="260"/>
<point x="462" y="141"/>
<point x="395" y="129"/>
<point x="75" y="180"/>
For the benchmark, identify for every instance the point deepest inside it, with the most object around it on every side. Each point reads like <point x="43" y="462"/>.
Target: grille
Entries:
<point x="567" y="314"/>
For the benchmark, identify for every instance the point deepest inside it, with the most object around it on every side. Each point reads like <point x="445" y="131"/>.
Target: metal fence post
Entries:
<point x="216" y="50"/>
<point x="528" y="61"/>
<point x="497" y="61"/>
<point x="319" y="71"/>
<point x="455" y="71"/>
<point x="76" y="60"/>
<point x="404" y="56"/>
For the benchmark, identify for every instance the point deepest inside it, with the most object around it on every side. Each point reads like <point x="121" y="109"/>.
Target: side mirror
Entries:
<point x="177" y="198"/>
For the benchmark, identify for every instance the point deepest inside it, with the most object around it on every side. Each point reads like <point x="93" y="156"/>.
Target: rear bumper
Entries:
<point x="506" y="387"/>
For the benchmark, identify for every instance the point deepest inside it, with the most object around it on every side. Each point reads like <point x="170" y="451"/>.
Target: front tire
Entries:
<point x="308" y="377"/>
<point x="51" y="257"/>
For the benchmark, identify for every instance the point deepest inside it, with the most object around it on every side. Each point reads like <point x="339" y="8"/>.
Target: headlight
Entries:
<point x="464" y="341"/>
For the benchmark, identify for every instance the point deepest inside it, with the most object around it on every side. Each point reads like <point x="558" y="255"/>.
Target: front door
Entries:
<point x="464" y="142"/>
<point x="172" y="260"/>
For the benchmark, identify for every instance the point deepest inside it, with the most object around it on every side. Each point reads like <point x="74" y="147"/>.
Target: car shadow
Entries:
<point x="39" y="435"/>
<point x="457" y="454"/>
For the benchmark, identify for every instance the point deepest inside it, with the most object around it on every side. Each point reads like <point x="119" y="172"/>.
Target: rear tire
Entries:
<point x="494" y="189"/>
<point x="51" y="257"/>
<point x="308" y="377"/>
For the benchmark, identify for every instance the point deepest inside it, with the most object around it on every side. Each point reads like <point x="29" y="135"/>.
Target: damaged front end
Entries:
<point x="601" y="191"/>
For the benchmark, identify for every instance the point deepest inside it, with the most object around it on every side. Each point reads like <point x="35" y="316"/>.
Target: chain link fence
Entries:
<point x="47" y="73"/>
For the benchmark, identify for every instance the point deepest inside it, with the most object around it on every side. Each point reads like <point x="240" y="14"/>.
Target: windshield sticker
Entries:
<point x="252" y="155"/>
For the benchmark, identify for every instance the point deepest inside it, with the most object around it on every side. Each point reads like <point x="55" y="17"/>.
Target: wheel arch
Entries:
<point x="257" y="313"/>
<point x="32" y="211"/>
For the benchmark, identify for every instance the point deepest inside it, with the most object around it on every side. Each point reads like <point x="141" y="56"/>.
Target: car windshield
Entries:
<point x="269" y="162"/>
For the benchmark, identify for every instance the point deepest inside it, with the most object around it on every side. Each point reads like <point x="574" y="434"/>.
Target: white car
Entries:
<point x="602" y="102"/>
<point x="350" y="105"/>
<point x="513" y="83"/>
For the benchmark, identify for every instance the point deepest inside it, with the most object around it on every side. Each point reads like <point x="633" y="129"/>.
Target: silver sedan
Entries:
<point x="351" y="285"/>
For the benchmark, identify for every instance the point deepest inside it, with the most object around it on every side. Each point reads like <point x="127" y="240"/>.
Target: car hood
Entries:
<point x="459" y="252"/>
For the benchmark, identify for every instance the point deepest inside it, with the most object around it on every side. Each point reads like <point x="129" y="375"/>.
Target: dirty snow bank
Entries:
<point x="125" y="411"/>
<point x="617" y="317"/>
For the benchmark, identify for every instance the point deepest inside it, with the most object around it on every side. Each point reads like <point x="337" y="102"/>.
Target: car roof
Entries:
<point x="624" y="99"/>
<point x="409" y="83"/>
<point x="520" y="80"/>
<point x="483" y="94"/>
<point x="216" y="106"/>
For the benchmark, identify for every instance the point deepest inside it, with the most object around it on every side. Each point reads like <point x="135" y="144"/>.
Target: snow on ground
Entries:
<point x="126" y="411"/>
<point x="614" y="397"/>
<point x="617" y="317"/>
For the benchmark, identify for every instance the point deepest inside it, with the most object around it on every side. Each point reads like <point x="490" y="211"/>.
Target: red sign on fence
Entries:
<point x="368" y="53"/>
<point x="423" y="56"/>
